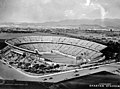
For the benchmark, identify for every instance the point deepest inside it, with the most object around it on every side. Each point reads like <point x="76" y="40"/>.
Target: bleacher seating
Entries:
<point x="69" y="46"/>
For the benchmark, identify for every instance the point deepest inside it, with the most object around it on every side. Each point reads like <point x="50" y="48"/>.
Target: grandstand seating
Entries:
<point x="69" y="46"/>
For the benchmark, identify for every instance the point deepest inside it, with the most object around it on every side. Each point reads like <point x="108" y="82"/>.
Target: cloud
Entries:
<point x="111" y="7"/>
<point x="88" y="2"/>
<point x="52" y="10"/>
<point x="94" y="5"/>
<point x="69" y="13"/>
<point x="103" y="12"/>
<point x="45" y="1"/>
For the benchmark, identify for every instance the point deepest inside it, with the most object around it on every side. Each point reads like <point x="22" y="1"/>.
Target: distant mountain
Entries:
<point x="107" y="23"/>
<point x="76" y="22"/>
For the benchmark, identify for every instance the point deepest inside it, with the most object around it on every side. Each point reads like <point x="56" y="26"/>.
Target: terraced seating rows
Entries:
<point x="53" y="39"/>
<point x="69" y="46"/>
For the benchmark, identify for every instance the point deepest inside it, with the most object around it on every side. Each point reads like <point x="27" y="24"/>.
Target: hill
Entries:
<point x="106" y="23"/>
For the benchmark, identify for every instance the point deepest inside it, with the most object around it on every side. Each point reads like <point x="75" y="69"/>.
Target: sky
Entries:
<point x="56" y="10"/>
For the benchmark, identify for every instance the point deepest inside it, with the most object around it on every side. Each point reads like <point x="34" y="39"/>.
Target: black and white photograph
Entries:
<point x="59" y="44"/>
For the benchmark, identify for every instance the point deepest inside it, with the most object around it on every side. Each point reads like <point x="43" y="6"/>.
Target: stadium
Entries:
<point x="51" y="59"/>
